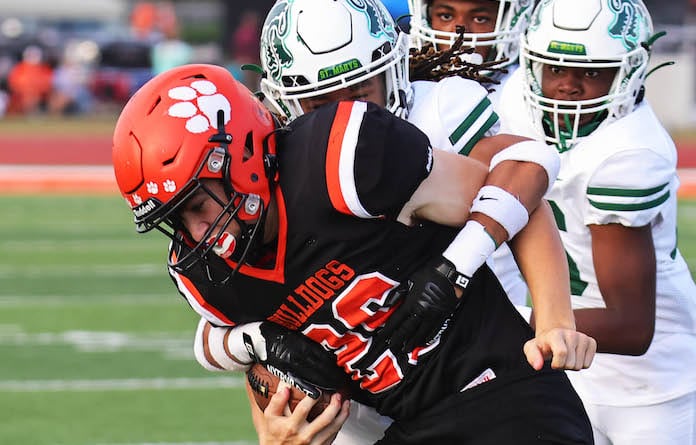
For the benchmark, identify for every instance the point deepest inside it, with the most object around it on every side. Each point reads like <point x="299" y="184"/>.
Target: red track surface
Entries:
<point x="30" y="164"/>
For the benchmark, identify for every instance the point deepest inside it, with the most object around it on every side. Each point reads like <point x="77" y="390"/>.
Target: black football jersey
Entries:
<point x="345" y="172"/>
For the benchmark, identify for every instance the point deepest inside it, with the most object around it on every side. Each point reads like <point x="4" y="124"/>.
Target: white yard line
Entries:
<point x="121" y="384"/>
<point x="28" y="301"/>
<point x="146" y="270"/>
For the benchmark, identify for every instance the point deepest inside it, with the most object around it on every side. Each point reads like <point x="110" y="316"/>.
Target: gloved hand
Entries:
<point x="297" y="360"/>
<point x="429" y="299"/>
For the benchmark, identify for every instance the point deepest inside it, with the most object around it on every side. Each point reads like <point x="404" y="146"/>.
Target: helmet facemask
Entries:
<point x="246" y="209"/>
<point x="503" y="41"/>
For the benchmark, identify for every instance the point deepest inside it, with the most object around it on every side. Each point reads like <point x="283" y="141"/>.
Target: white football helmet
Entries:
<point x="313" y="47"/>
<point x="585" y="34"/>
<point x="511" y="22"/>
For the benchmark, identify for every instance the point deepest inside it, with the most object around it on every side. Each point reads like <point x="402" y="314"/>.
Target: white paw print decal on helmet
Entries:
<point x="169" y="186"/>
<point x="152" y="188"/>
<point x="200" y="103"/>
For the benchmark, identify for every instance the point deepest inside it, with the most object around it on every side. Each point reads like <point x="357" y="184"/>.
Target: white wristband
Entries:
<point x="501" y="206"/>
<point x="531" y="151"/>
<point x="470" y="248"/>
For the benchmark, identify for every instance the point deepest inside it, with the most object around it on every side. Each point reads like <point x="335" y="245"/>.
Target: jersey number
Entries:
<point x="361" y="305"/>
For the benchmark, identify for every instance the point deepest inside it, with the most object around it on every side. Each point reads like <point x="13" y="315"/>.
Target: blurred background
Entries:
<point x="68" y="57"/>
<point x="95" y="343"/>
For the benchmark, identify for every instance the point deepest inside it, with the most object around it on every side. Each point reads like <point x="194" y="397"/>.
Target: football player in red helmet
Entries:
<point x="208" y="128"/>
<point x="331" y="227"/>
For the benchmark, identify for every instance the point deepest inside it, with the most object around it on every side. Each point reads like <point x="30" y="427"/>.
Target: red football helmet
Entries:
<point x="190" y="123"/>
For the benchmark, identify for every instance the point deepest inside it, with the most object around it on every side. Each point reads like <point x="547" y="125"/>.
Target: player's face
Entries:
<point x="370" y="90"/>
<point x="476" y="16"/>
<point x="199" y="212"/>
<point x="576" y="84"/>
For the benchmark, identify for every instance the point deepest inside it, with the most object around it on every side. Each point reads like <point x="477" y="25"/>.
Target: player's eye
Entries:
<point x="194" y="205"/>
<point x="591" y="74"/>
<point x="482" y="19"/>
<point x="445" y="17"/>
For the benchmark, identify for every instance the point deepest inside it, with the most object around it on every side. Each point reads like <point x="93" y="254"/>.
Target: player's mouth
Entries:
<point x="223" y="245"/>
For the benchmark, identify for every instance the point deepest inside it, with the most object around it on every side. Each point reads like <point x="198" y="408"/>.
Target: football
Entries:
<point x="264" y="383"/>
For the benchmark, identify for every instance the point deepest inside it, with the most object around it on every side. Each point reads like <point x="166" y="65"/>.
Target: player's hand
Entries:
<point x="429" y="299"/>
<point x="280" y="426"/>
<point x="566" y="348"/>
<point x="302" y="362"/>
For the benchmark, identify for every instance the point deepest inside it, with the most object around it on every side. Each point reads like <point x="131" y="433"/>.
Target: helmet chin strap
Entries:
<point x="565" y="135"/>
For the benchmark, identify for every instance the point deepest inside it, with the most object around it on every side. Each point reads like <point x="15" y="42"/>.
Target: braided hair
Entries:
<point x="427" y="63"/>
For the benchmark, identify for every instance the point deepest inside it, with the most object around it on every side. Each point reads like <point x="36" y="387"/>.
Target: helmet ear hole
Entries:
<point x="641" y="95"/>
<point x="248" y="147"/>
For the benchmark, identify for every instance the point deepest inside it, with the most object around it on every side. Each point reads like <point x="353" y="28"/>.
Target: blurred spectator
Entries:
<point x="171" y="51"/>
<point x="71" y="81"/>
<point x="667" y="12"/>
<point x="6" y="63"/>
<point x="143" y="20"/>
<point x="231" y="17"/>
<point x="245" y="46"/>
<point x="4" y="97"/>
<point x="29" y="82"/>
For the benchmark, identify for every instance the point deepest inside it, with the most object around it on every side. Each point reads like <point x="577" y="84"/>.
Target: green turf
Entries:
<point x="687" y="233"/>
<point x="86" y="301"/>
<point x="125" y="417"/>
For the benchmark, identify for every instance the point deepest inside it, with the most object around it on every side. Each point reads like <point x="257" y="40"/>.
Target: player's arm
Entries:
<point x="519" y="175"/>
<point x="538" y="251"/>
<point x="623" y="249"/>
<point x="624" y="261"/>
<point x="446" y="195"/>
<point x="539" y="246"/>
<point x="540" y="256"/>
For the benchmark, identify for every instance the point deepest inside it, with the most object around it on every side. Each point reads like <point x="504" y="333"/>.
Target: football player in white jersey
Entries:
<point x="581" y="89"/>
<point x="304" y="71"/>
<point x="493" y="29"/>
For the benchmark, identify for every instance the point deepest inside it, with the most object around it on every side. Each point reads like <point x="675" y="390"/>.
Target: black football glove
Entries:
<point x="298" y="361"/>
<point x="429" y="300"/>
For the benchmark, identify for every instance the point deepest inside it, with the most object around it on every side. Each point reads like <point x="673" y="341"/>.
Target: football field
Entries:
<point x="95" y="343"/>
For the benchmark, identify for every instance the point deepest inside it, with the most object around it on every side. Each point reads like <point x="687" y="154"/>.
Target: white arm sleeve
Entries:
<point x="223" y="349"/>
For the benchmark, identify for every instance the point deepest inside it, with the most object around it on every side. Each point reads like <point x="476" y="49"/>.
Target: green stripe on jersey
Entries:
<point x="466" y="149"/>
<point x="558" y="216"/>
<point x="630" y="207"/>
<point x="603" y="191"/>
<point x="469" y="121"/>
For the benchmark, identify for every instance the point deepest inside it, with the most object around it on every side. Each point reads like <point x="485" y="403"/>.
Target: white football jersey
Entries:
<point x="455" y="113"/>
<point x="624" y="173"/>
